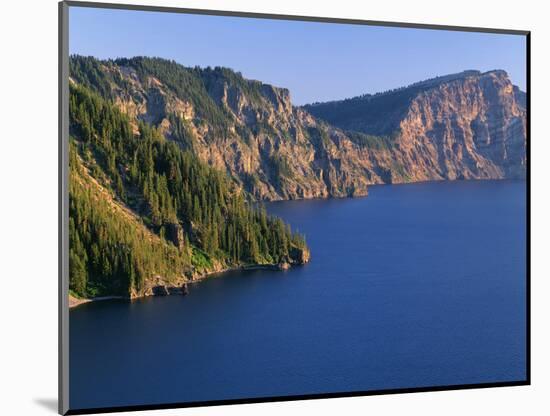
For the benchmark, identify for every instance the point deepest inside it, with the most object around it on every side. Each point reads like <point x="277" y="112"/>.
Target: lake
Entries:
<point x="415" y="285"/>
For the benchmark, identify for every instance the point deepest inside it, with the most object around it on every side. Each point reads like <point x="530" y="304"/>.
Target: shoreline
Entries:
<point x="380" y="184"/>
<point x="75" y="302"/>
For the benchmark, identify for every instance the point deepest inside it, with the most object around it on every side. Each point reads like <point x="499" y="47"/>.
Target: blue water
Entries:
<point x="415" y="285"/>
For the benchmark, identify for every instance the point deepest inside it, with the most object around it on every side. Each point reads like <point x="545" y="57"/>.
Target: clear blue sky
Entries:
<point x="315" y="61"/>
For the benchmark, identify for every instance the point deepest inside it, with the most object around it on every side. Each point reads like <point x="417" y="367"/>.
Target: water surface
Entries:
<point x="415" y="285"/>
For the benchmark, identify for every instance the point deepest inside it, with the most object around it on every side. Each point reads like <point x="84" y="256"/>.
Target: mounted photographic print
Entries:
<point x="262" y="207"/>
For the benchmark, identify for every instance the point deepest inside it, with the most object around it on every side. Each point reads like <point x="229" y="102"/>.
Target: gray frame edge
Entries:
<point x="320" y="19"/>
<point x="63" y="209"/>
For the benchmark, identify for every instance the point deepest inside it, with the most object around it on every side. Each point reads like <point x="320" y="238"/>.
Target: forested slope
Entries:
<point x="143" y="211"/>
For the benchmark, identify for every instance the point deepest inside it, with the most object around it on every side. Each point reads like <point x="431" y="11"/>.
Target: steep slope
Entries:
<point x="461" y="126"/>
<point x="129" y="259"/>
<point x="470" y="125"/>
<point x="247" y="128"/>
<point x="145" y="213"/>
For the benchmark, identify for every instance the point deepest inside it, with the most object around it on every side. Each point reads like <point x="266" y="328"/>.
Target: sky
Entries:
<point x="315" y="61"/>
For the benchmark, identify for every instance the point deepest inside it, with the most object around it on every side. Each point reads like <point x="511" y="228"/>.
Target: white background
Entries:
<point x="28" y="207"/>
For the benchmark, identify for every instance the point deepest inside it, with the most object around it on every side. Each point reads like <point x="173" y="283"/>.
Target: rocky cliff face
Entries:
<point x="246" y="128"/>
<point x="465" y="126"/>
<point x="462" y="126"/>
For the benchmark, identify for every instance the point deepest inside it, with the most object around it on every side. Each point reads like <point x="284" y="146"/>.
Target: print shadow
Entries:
<point x="49" y="404"/>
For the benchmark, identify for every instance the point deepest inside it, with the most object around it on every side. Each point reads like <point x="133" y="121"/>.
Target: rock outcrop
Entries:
<point x="470" y="125"/>
<point x="160" y="290"/>
<point x="176" y="235"/>
<point x="300" y="255"/>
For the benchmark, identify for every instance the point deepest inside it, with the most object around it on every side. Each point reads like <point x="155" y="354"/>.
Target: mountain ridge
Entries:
<point x="275" y="150"/>
<point x="426" y="82"/>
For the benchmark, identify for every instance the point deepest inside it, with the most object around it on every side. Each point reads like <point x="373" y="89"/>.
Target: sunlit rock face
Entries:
<point x="469" y="125"/>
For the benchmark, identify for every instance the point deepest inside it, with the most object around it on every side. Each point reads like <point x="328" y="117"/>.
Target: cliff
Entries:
<point x="246" y="128"/>
<point x="469" y="125"/>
